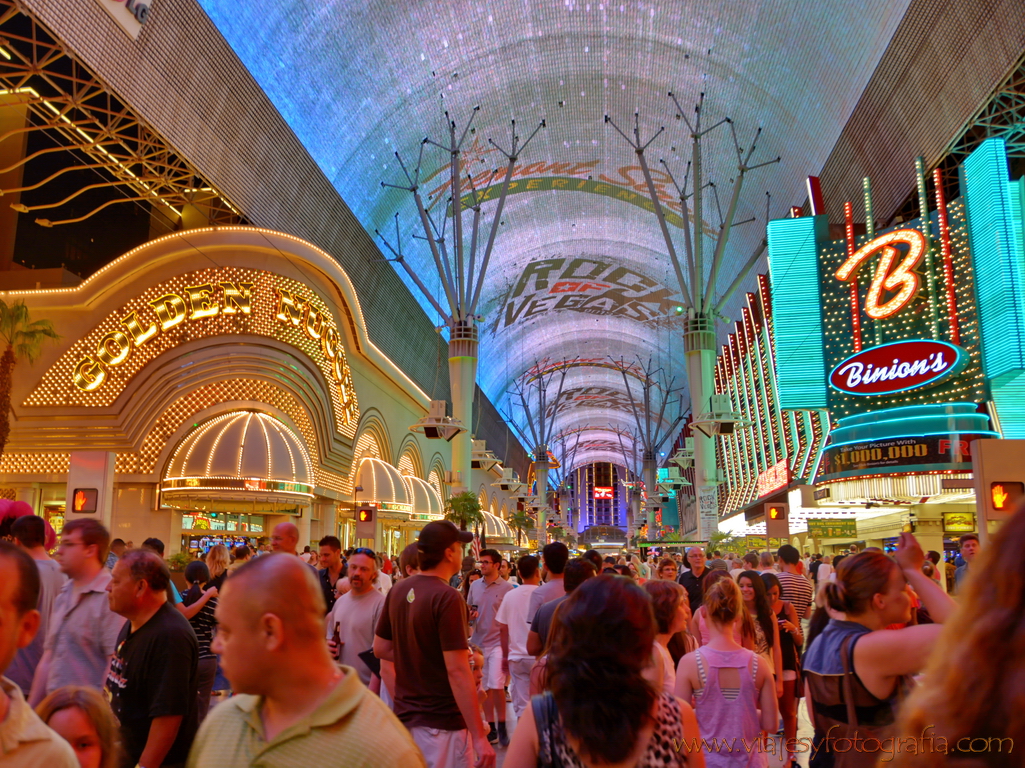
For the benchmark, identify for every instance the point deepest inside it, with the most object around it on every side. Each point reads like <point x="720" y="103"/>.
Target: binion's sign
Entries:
<point x="898" y="367"/>
<point x="602" y="492"/>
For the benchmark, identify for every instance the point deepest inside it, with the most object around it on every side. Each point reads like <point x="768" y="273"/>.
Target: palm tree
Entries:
<point x="721" y="540"/>
<point x="463" y="509"/>
<point x="520" y="522"/>
<point x="23" y="340"/>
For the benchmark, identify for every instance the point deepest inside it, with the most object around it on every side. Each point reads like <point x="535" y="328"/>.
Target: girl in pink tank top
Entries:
<point x="728" y="686"/>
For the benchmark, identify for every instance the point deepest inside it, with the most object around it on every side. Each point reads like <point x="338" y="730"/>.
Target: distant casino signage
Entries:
<point x="903" y="454"/>
<point x="602" y="492"/>
<point x="833" y="527"/>
<point x="898" y="367"/>
<point x="774" y="478"/>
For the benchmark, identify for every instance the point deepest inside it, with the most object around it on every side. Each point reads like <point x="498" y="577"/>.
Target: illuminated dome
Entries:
<point x="424" y="497"/>
<point x="496" y="531"/>
<point x="241" y="461"/>
<point x="383" y="486"/>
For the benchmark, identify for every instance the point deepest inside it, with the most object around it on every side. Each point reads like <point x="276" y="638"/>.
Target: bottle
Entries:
<point x="338" y="640"/>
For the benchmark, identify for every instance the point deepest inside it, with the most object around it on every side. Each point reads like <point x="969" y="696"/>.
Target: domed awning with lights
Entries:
<point x="242" y="461"/>
<point x="383" y="486"/>
<point x="497" y="534"/>
<point x="424" y="499"/>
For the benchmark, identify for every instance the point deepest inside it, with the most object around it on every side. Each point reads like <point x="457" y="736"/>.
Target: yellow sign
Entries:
<point x="191" y="307"/>
<point x="958" y="522"/>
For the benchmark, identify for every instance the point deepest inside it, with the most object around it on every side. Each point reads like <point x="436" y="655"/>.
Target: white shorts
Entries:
<point x="444" y="749"/>
<point x="494" y="678"/>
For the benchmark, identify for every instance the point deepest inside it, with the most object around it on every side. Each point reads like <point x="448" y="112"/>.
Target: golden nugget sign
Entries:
<point x="169" y="311"/>
<point x="191" y="307"/>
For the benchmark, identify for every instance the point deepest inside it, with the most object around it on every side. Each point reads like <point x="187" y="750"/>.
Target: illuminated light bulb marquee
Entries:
<point x="199" y="305"/>
<point x="901" y="353"/>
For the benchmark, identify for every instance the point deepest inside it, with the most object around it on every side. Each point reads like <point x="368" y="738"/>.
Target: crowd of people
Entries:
<point x="437" y="658"/>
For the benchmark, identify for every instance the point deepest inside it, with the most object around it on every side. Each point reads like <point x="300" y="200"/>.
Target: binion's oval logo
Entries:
<point x="898" y="367"/>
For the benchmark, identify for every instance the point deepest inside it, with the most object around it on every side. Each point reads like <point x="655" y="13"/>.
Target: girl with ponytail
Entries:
<point x="733" y="691"/>
<point x="856" y="670"/>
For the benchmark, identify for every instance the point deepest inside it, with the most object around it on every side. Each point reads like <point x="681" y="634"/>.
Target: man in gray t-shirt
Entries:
<point x="30" y="534"/>
<point x="555" y="556"/>
<point x="355" y="614"/>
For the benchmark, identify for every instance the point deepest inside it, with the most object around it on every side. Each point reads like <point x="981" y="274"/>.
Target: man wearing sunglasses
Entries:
<point x="356" y="614"/>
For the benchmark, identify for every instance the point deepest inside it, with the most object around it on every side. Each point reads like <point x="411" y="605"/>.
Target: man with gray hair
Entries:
<point x="25" y="741"/>
<point x="153" y="676"/>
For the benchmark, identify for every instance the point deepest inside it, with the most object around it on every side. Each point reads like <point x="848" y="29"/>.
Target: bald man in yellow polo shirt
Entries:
<point x="295" y="706"/>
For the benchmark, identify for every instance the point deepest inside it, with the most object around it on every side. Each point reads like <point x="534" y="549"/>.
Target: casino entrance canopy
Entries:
<point x="580" y="269"/>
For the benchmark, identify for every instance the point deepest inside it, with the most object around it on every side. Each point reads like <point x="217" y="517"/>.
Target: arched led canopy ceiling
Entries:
<point x="579" y="267"/>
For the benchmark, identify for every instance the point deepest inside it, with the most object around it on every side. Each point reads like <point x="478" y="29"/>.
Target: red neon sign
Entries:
<point x="897" y="367"/>
<point x="602" y="492"/>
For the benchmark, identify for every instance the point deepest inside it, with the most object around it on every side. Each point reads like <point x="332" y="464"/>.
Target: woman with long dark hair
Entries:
<point x="790" y="640"/>
<point x="600" y="711"/>
<point x="856" y="670"/>
<point x="763" y="624"/>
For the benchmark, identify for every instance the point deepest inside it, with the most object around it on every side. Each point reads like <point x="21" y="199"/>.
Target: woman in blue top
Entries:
<point x="855" y="670"/>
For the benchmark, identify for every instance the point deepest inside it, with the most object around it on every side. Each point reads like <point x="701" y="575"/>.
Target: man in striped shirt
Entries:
<point x="797" y="590"/>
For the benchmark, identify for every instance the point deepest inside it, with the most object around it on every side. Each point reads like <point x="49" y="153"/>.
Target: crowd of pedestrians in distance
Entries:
<point x="437" y="658"/>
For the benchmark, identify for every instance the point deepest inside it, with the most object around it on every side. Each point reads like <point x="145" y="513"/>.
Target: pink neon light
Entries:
<point x="848" y="214"/>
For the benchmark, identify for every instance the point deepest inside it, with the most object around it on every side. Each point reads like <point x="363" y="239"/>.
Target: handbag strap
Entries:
<point x="847" y="658"/>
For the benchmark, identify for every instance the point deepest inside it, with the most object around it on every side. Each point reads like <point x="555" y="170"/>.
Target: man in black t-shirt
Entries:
<point x="153" y="675"/>
<point x="691" y="580"/>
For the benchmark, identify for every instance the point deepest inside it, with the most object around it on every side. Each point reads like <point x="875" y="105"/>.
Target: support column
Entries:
<point x="92" y="469"/>
<point x="929" y="533"/>
<point x="650" y="475"/>
<point x="303" y="524"/>
<point x="462" y="371"/>
<point x="699" y="349"/>
<point x="541" y="473"/>
<point x="30" y="495"/>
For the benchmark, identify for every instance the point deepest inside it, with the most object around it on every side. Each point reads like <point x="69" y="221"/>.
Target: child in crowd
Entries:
<point x="83" y="718"/>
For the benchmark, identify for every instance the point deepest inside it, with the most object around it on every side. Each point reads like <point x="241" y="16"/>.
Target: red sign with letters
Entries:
<point x="602" y="492"/>
<point x="898" y="367"/>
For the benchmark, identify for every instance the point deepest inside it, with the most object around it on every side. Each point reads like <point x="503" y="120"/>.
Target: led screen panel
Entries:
<point x="579" y="266"/>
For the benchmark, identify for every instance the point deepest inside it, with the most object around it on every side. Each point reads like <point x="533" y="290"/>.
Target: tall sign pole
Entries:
<point x="460" y="266"/>
<point x="534" y="395"/>
<point x="704" y="296"/>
